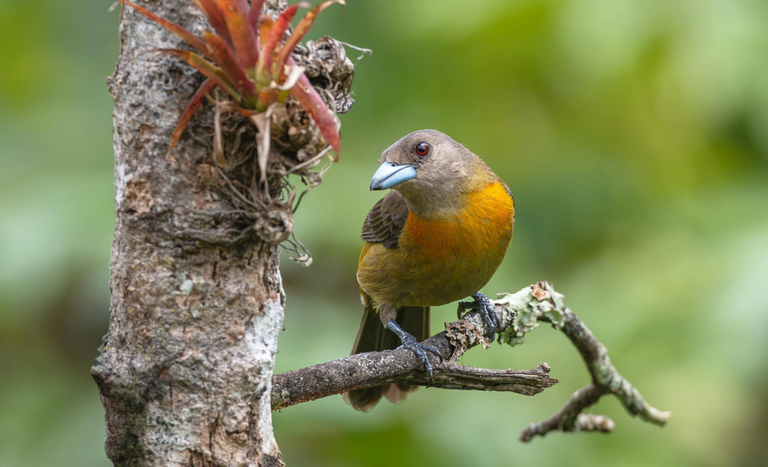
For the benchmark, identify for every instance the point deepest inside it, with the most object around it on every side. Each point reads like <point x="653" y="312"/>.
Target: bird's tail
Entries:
<point x="372" y="337"/>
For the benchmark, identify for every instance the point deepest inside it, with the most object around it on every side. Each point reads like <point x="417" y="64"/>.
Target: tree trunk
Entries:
<point x="185" y="373"/>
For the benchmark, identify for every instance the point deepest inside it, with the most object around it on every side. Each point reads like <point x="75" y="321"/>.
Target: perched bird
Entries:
<point x="436" y="238"/>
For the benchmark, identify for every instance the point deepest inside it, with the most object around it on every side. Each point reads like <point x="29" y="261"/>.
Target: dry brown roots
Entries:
<point x="255" y="160"/>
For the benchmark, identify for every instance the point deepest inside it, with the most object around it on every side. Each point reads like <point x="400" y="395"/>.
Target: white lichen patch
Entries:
<point x="121" y="179"/>
<point x="524" y="308"/>
<point x="260" y="341"/>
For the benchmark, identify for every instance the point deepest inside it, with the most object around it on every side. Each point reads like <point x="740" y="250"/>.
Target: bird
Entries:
<point x="436" y="237"/>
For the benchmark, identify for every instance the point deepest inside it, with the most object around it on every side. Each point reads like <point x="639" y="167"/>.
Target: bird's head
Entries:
<point x="428" y="168"/>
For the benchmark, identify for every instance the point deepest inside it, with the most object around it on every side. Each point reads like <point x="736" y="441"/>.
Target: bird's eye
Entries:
<point x="422" y="149"/>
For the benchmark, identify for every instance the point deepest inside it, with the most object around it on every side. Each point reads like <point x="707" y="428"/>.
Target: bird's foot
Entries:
<point x="410" y="343"/>
<point x="483" y="305"/>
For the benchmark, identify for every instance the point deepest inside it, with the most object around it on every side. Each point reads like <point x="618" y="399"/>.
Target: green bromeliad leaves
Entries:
<point x="246" y="57"/>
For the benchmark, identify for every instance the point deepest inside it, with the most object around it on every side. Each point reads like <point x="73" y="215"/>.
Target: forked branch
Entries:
<point x="520" y="313"/>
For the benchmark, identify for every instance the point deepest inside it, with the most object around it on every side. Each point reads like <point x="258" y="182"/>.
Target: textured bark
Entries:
<point x="185" y="372"/>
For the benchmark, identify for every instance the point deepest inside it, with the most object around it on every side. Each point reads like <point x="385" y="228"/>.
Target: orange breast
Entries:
<point x="482" y="228"/>
<point x="439" y="261"/>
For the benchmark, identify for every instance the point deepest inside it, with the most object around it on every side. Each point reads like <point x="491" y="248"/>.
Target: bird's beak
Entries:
<point x="390" y="174"/>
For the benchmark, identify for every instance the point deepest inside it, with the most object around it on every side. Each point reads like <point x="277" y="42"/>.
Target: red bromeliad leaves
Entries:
<point x="267" y="95"/>
<point x="275" y="36"/>
<point x="205" y="67"/>
<point x="230" y="66"/>
<point x="254" y="14"/>
<point x="191" y="39"/>
<point x="298" y="33"/>
<point x="311" y="101"/>
<point x="264" y="28"/>
<point x="235" y="13"/>
<point x="215" y="17"/>
<point x="194" y="103"/>
<point x="247" y="57"/>
<point x="213" y="48"/>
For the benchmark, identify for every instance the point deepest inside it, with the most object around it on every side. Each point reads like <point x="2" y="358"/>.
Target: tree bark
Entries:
<point x="185" y="372"/>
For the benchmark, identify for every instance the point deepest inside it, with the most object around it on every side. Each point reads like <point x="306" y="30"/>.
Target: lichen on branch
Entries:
<point x="520" y="313"/>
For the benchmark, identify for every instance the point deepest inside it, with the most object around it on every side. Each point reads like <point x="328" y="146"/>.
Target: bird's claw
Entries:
<point x="483" y="305"/>
<point x="411" y="343"/>
<point x="420" y="349"/>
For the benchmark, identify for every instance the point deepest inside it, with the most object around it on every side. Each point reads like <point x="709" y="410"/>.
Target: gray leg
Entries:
<point x="410" y="343"/>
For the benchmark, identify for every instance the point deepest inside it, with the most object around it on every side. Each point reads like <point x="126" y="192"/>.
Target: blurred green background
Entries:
<point x="633" y="133"/>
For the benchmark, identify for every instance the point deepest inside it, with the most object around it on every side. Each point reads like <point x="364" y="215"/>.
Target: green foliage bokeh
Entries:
<point x="633" y="134"/>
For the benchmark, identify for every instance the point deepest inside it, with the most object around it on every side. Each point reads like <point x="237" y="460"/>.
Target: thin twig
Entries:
<point x="605" y="380"/>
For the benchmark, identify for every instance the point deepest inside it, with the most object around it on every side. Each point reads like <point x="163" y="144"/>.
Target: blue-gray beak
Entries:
<point x="390" y="174"/>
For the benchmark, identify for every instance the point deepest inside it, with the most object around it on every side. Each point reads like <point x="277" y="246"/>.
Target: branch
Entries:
<point x="399" y="366"/>
<point x="520" y="313"/>
<point x="605" y="380"/>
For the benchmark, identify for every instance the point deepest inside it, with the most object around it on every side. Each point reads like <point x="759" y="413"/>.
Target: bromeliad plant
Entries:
<point x="247" y="58"/>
